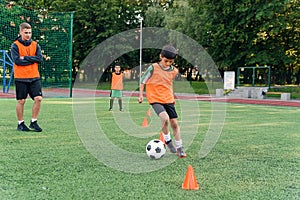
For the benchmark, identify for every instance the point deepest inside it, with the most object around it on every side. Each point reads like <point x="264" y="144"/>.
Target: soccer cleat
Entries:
<point x="171" y="146"/>
<point x="110" y="109"/>
<point x="22" y="127"/>
<point x="121" y="110"/>
<point x="35" y="126"/>
<point x="181" y="153"/>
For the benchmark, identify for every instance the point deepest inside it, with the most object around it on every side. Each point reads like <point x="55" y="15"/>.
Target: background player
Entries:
<point x="116" y="88"/>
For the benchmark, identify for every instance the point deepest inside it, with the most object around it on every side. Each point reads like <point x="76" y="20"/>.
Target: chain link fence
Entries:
<point x="53" y="32"/>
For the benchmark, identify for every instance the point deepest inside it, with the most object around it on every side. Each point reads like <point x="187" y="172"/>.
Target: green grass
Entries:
<point x="256" y="157"/>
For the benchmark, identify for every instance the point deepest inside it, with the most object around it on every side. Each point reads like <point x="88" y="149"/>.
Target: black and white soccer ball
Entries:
<point x="155" y="149"/>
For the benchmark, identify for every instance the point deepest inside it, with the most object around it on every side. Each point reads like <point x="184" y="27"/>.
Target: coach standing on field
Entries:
<point x="26" y="55"/>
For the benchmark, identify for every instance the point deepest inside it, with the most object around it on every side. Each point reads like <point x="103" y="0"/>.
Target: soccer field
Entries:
<point x="256" y="156"/>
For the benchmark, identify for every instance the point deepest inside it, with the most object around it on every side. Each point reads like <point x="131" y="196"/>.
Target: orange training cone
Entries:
<point x="161" y="137"/>
<point x="190" y="182"/>
<point x="149" y="112"/>
<point x="145" y="122"/>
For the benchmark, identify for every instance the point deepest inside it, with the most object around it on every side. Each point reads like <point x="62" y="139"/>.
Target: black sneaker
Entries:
<point x="171" y="146"/>
<point x="35" y="126"/>
<point x="22" y="127"/>
<point x="181" y="153"/>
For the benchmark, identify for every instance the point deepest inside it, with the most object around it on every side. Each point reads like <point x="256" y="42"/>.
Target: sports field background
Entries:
<point x="256" y="157"/>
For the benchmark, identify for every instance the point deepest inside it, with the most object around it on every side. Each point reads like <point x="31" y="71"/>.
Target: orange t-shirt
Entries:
<point x="117" y="81"/>
<point x="159" y="87"/>
<point x="28" y="71"/>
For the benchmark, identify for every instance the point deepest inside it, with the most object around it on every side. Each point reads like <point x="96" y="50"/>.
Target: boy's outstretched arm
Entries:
<point x="141" y="91"/>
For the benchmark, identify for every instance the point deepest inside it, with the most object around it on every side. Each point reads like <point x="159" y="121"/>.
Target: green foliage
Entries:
<point x="94" y="21"/>
<point x="9" y="24"/>
<point x="155" y="17"/>
<point x="252" y="33"/>
<point x="235" y="33"/>
<point x="53" y="32"/>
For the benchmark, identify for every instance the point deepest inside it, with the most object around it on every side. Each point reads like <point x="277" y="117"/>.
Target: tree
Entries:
<point x="94" y="21"/>
<point x="235" y="33"/>
<point x="249" y="32"/>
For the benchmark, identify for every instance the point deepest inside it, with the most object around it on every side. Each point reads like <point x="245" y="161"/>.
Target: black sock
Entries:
<point x="120" y="104"/>
<point x="111" y="103"/>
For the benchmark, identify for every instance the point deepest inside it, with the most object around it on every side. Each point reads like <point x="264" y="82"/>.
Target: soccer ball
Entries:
<point x="155" y="149"/>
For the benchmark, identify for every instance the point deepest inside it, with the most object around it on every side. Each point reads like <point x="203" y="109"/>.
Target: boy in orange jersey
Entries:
<point x="26" y="55"/>
<point x="158" y="79"/>
<point x="116" y="88"/>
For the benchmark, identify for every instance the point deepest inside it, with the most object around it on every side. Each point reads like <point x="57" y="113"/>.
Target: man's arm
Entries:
<point x="38" y="58"/>
<point x="16" y="57"/>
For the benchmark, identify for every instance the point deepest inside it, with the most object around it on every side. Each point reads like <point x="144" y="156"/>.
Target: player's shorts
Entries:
<point x="116" y="93"/>
<point x="33" y="89"/>
<point x="169" y="108"/>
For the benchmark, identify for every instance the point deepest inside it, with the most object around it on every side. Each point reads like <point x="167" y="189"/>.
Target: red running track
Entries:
<point x="105" y="93"/>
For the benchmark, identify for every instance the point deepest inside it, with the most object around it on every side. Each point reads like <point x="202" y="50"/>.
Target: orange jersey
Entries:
<point x="117" y="81"/>
<point x="159" y="87"/>
<point x="28" y="71"/>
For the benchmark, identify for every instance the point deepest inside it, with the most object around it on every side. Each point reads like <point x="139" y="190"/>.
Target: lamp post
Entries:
<point x="141" y="47"/>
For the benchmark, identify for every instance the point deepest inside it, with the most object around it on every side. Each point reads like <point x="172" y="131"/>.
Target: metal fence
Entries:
<point x="53" y="32"/>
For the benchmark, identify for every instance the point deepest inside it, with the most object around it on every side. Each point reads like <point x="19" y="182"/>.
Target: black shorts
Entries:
<point x="169" y="108"/>
<point x="33" y="89"/>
